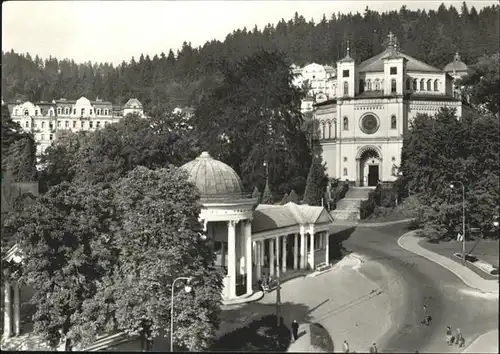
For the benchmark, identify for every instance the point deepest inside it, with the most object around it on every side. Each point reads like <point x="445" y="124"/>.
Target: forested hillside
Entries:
<point x="184" y="78"/>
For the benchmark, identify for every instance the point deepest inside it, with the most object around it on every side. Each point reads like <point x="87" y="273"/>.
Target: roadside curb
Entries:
<point x="462" y="273"/>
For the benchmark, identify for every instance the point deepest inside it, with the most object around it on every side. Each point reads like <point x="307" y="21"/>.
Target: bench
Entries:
<point x="323" y="266"/>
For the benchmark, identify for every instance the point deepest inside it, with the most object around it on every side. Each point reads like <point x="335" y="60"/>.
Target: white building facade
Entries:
<point x="47" y="119"/>
<point x="320" y="79"/>
<point x="362" y="129"/>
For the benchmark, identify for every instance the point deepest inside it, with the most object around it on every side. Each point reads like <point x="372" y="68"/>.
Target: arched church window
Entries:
<point x="429" y="85"/>
<point x="393" y="85"/>
<point x="345" y="171"/>
<point x="436" y="83"/>
<point x="346" y="88"/>
<point x="346" y="123"/>
<point x="369" y="85"/>
<point x="408" y="84"/>
<point x="377" y="85"/>
<point x="393" y="122"/>
<point x="415" y="85"/>
<point x="26" y="112"/>
<point x="329" y="130"/>
<point x="422" y="85"/>
<point x="322" y="130"/>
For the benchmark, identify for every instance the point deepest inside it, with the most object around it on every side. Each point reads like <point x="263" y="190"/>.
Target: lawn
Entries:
<point x="486" y="250"/>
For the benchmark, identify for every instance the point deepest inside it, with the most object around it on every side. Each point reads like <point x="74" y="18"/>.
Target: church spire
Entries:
<point x="392" y="40"/>
<point x="457" y="56"/>
<point x="348" y="50"/>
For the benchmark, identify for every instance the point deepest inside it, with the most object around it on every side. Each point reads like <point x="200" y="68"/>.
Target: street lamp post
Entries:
<point x="400" y="173"/>
<point x="452" y="185"/>
<point x="187" y="288"/>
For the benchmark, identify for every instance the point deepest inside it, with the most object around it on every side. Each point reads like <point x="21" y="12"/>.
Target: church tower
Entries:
<point x="394" y="69"/>
<point x="346" y="76"/>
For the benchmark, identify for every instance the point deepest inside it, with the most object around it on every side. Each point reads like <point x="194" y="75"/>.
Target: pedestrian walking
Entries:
<point x="295" y="330"/>
<point x="373" y="348"/>
<point x="448" y="335"/>
<point x="460" y="341"/>
<point x="346" y="347"/>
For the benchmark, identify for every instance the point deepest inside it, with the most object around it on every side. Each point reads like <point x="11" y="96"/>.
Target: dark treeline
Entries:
<point x="183" y="78"/>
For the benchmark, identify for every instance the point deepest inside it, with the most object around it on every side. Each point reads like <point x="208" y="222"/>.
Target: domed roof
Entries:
<point x="456" y="65"/>
<point x="213" y="177"/>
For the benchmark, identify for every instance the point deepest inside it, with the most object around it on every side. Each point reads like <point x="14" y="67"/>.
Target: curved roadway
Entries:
<point x="424" y="282"/>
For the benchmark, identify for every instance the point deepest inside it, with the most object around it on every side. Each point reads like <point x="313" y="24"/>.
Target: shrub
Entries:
<point x="367" y="207"/>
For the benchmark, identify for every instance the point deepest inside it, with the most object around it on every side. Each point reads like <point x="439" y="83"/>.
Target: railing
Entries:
<point x="235" y="197"/>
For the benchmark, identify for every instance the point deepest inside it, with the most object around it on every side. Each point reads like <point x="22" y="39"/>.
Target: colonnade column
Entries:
<point x="295" y="251"/>
<point x="231" y="266"/>
<point x="303" y="247"/>
<point x="17" y="311"/>
<point x="248" y="256"/>
<point x="277" y="245"/>
<point x="7" y="319"/>
<point x="271" y="257"/>
<point x="284" y="254"/>
<point x="259" y="248"/>
<point x="311" y="247"/>
<point x="243" y="251"/>
<point x="327" y="247"/>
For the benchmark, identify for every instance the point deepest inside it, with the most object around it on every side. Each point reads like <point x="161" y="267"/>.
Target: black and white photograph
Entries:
<point x="250" y="176"/>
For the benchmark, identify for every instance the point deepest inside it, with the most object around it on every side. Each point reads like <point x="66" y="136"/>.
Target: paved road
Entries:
<point x="425" y="283"/>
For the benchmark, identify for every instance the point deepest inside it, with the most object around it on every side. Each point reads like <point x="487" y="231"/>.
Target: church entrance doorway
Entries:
<point x="372" y="175"/>
<point x="369" y="162"/>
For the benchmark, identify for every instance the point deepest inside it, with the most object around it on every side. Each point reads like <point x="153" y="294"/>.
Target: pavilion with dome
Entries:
<point x="250" y="239"/>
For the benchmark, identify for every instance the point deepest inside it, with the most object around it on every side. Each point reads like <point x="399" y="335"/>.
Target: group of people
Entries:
<point x="457" y="339"/>
<point x="265" y="282"/>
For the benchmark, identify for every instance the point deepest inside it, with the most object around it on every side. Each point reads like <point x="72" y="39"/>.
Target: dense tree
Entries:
<point x="102" y="258"/>
<point x="179" y="80"/>
<point x="254" y="117"/>
<point x="316" y="183"/>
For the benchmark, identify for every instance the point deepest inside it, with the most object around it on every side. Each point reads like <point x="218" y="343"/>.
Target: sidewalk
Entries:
<point x="303" y="343"/>
<point x="409" y="242"/>
<point x="486" y="343"/>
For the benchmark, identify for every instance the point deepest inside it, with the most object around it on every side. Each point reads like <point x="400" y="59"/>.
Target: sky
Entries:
<point x="113" y="31"/>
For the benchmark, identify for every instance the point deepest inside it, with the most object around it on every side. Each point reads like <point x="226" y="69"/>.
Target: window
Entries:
<point x="74" y="110"/>
<point x="394" y="70"/>
<point x="429" y="84"/>
<point x="422" y="85"/>
<point x="345" y="171"/>
<point x="377" y="85"/>
<point x="26" y="112"/>
<point x="361" y="86"/>
<point x="346" y="88"/>
<point x="322" y="130"/>
<point x="59" y="124"/>
<point x="98" y="125"/>
<point x="408" y="84"/>
<point x="36" y="112"/>
<point x="27" y="124"/>
<point x="329" y="130"/>
<point x="98" y="111"/>
<point x="90" y="111"/>
<point x="91" y="125"/>
<point x="393" y="159"/>
<point x="393" y="85"/>
<point x="105" y="112"/>
<point x="43" y="137"/>
<point x="81" y="125"/>
<point x="59" y="109"/>
<point x="393" y="122"/>
<point x="51" y="126"/>
<point x="436" y="84"/>
<point x="66" y="124"/>
<point x="82" y="111"/>
<point x="368" y="85"/>
<point x="345" y="159"/>
<point x="43" y="125"/>
<point x="50" y="137"/>
<point x="74" y="124"/>
<point x="345" y="73"/>
<point x="16" y="112"/>
<point x="346" y="123"/>
<point x="51" y="112"/>
<point x="415" y="85"/>
<point x="105" y="123"/>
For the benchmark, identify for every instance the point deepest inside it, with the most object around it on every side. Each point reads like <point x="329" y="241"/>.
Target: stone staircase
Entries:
<point x="348" y="207"/>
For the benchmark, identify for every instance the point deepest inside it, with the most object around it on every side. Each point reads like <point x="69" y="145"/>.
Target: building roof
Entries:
<point x="213" y="177"/>
<point x="133" y="102"/>
<point x="376" y="63"/>
<point x="269" y="217"/>
<point x="456" y="65"/>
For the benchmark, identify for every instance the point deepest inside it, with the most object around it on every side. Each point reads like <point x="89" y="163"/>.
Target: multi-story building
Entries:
<point x="319" y="79"/>
<point x="46" y="119"/>
<point x="362" y="129"/>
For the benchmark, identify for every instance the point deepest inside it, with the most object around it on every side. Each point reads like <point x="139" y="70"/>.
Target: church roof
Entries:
<point x="456" y="65"/>
<point x="376" y="63"/>
<point x="269" y="217"/>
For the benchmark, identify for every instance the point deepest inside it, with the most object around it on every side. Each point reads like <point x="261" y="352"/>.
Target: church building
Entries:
<point x="361" y="130"/>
